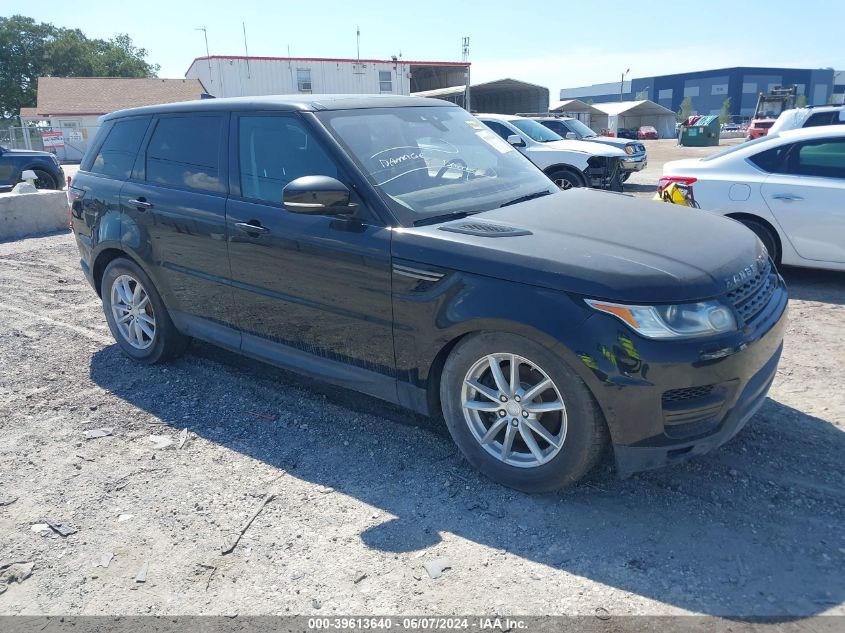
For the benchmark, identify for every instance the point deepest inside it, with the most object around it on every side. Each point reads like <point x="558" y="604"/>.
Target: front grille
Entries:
<point x="754" y="294"/>
<point x="688" y="393"/>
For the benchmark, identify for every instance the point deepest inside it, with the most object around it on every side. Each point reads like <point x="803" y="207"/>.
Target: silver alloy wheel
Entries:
<point x="133" y="312"/>
<point x="514" y="410"/>
<point x="564" y="183"/>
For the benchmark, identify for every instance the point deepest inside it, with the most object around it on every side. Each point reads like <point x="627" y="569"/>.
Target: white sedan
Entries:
<point x="788" y="188"/>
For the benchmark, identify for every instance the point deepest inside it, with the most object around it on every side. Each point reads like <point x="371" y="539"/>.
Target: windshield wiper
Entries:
<point x="530" y="196"/>
<point x="445" y="217"/>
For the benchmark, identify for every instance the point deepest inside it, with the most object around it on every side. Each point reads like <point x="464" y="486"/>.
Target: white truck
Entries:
<point x="568" y="163"/>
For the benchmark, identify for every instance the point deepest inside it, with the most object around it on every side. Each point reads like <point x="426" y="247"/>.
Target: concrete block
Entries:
<point x="32" y="213"/>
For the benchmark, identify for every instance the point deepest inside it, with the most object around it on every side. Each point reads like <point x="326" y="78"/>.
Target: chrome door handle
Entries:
<point x="786" y="197"/>
<point x="140" y="203"/>
<point x="246" y="227"/>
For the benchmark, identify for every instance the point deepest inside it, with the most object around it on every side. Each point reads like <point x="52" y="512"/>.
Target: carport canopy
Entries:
<point x="503" y="96"/>
<point x="633" y="114"/>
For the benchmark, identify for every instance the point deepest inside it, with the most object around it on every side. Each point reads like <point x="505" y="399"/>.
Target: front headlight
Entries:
<point x="672" y="321"/>
<point x="629" y="149"/>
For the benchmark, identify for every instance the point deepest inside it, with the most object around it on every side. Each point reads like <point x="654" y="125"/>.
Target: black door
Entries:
<point x="175" y="205"/>
<point x="96" y="212"/>
<point x="312" y="285"/>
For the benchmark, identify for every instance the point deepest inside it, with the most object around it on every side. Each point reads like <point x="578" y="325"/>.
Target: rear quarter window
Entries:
<point x="116" y="155"/>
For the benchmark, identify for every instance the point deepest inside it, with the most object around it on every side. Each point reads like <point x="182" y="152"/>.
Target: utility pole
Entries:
<point x="622" y="84"/>
<point x="246" y="51"/>
<point x="465" y="57"/>
<point x="207" y="54"/>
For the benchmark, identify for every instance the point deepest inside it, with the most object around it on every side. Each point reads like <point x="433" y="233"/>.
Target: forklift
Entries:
<point x="769" y="107"/>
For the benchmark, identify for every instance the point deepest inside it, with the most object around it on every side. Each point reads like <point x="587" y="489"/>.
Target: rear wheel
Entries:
<point x="136" y="314"/>
<point x="519" y="414"/>
<point x="766" y="235"/>
<point x="44" y="180"/>
<point x="567" y="178"/>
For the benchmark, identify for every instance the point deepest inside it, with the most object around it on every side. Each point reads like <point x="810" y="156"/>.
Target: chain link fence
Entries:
<point x="67" y="143"/>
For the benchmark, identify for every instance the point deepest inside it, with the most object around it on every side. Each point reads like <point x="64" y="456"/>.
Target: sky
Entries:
<point x="553" y="47"/>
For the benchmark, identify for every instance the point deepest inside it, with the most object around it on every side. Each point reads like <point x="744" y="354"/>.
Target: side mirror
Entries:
<point x="571" y="136"/>
<point x="317" y="195"/>
<point x="516" y="140"/>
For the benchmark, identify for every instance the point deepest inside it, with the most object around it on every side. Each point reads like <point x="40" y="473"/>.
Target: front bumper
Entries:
<point x="667" y="401"/>
<point x="635" y="163"/>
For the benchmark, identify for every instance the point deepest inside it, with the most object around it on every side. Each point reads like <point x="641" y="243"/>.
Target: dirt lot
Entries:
<point x="365" y="493"/>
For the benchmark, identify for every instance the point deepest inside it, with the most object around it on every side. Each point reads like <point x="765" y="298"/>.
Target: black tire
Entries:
<point x="625" y="176"/>
<point x="767" y="236"/>
<point x="565" y="175"/>
<point x="167" y="342"/>
<point x="586" y="433"/>
<point x="44" y="180"/>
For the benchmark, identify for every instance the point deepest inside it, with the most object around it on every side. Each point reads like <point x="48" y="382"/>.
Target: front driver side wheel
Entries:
<point x="136" y="315"/>
<point x="519" y="414"/>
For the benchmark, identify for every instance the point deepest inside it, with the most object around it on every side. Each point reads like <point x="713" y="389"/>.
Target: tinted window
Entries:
<point x="185" y="152"/>
<point x="118" y="151"/>
<point x="822" y="118"/>
<point x="825" y="158"/>
<point x="771" y="160"/>
<point x="274" y="150"/>
<point x="558" y="127"/>
<point x="499" y="129"/>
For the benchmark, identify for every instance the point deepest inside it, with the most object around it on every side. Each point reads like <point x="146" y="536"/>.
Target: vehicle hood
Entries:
<point x="588" y="147"/>
<point x="25" y="152"/>
<point x="594" y="243"/>
<point x="610" y="140"/>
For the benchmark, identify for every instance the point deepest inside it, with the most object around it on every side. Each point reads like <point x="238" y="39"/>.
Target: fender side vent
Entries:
<point x="484" y="229"/>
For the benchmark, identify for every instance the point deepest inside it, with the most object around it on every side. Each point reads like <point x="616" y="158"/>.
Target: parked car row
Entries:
<point x="569" y="163"/>
<point x="573" y="129"/>
<point x="400" y="247"/>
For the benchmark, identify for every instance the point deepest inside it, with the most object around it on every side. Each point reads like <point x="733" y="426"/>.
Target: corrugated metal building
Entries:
<point x="503" y="96"/>
<point x="236" y="76"/>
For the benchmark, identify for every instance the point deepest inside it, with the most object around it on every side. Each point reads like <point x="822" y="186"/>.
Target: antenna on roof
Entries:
<point x="358" y="42"/>
<point x="207" y="54"/>
<point x="246" y="51"/>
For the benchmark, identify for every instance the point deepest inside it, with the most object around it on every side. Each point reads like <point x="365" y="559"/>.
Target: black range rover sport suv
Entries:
<point x="394" y="246"/>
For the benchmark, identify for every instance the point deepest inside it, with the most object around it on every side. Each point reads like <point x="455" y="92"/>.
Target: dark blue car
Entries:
<point x="13" y="162"/>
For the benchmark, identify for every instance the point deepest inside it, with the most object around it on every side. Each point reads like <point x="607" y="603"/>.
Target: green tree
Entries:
<point x="725" y="113"/>
<point x="801" y="101"/>
<point x="686" y="109"/>
<point x="29" y="50"/>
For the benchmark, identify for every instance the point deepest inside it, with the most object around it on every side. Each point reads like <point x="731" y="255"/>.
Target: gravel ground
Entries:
<point x="363" y="494"/>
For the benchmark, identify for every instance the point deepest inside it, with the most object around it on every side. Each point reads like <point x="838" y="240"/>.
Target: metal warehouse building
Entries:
<point x="709" y="88"/>
<point x="236" y="76"/>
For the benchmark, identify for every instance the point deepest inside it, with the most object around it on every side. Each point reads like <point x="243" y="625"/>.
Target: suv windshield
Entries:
<point x="536" y="131"/>
<point x="580" y="129"/>
<point x="434" y="161"/>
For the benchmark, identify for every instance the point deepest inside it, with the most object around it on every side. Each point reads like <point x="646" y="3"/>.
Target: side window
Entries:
<point x="772" y="160"/>
<point x="184" y="152"/>
<point x="273" y="150"/>
<point x="822" y="118"/>
<point x="117" y="153"/>
<point x="824" y="158"/>
<point x="499" y="129"/>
